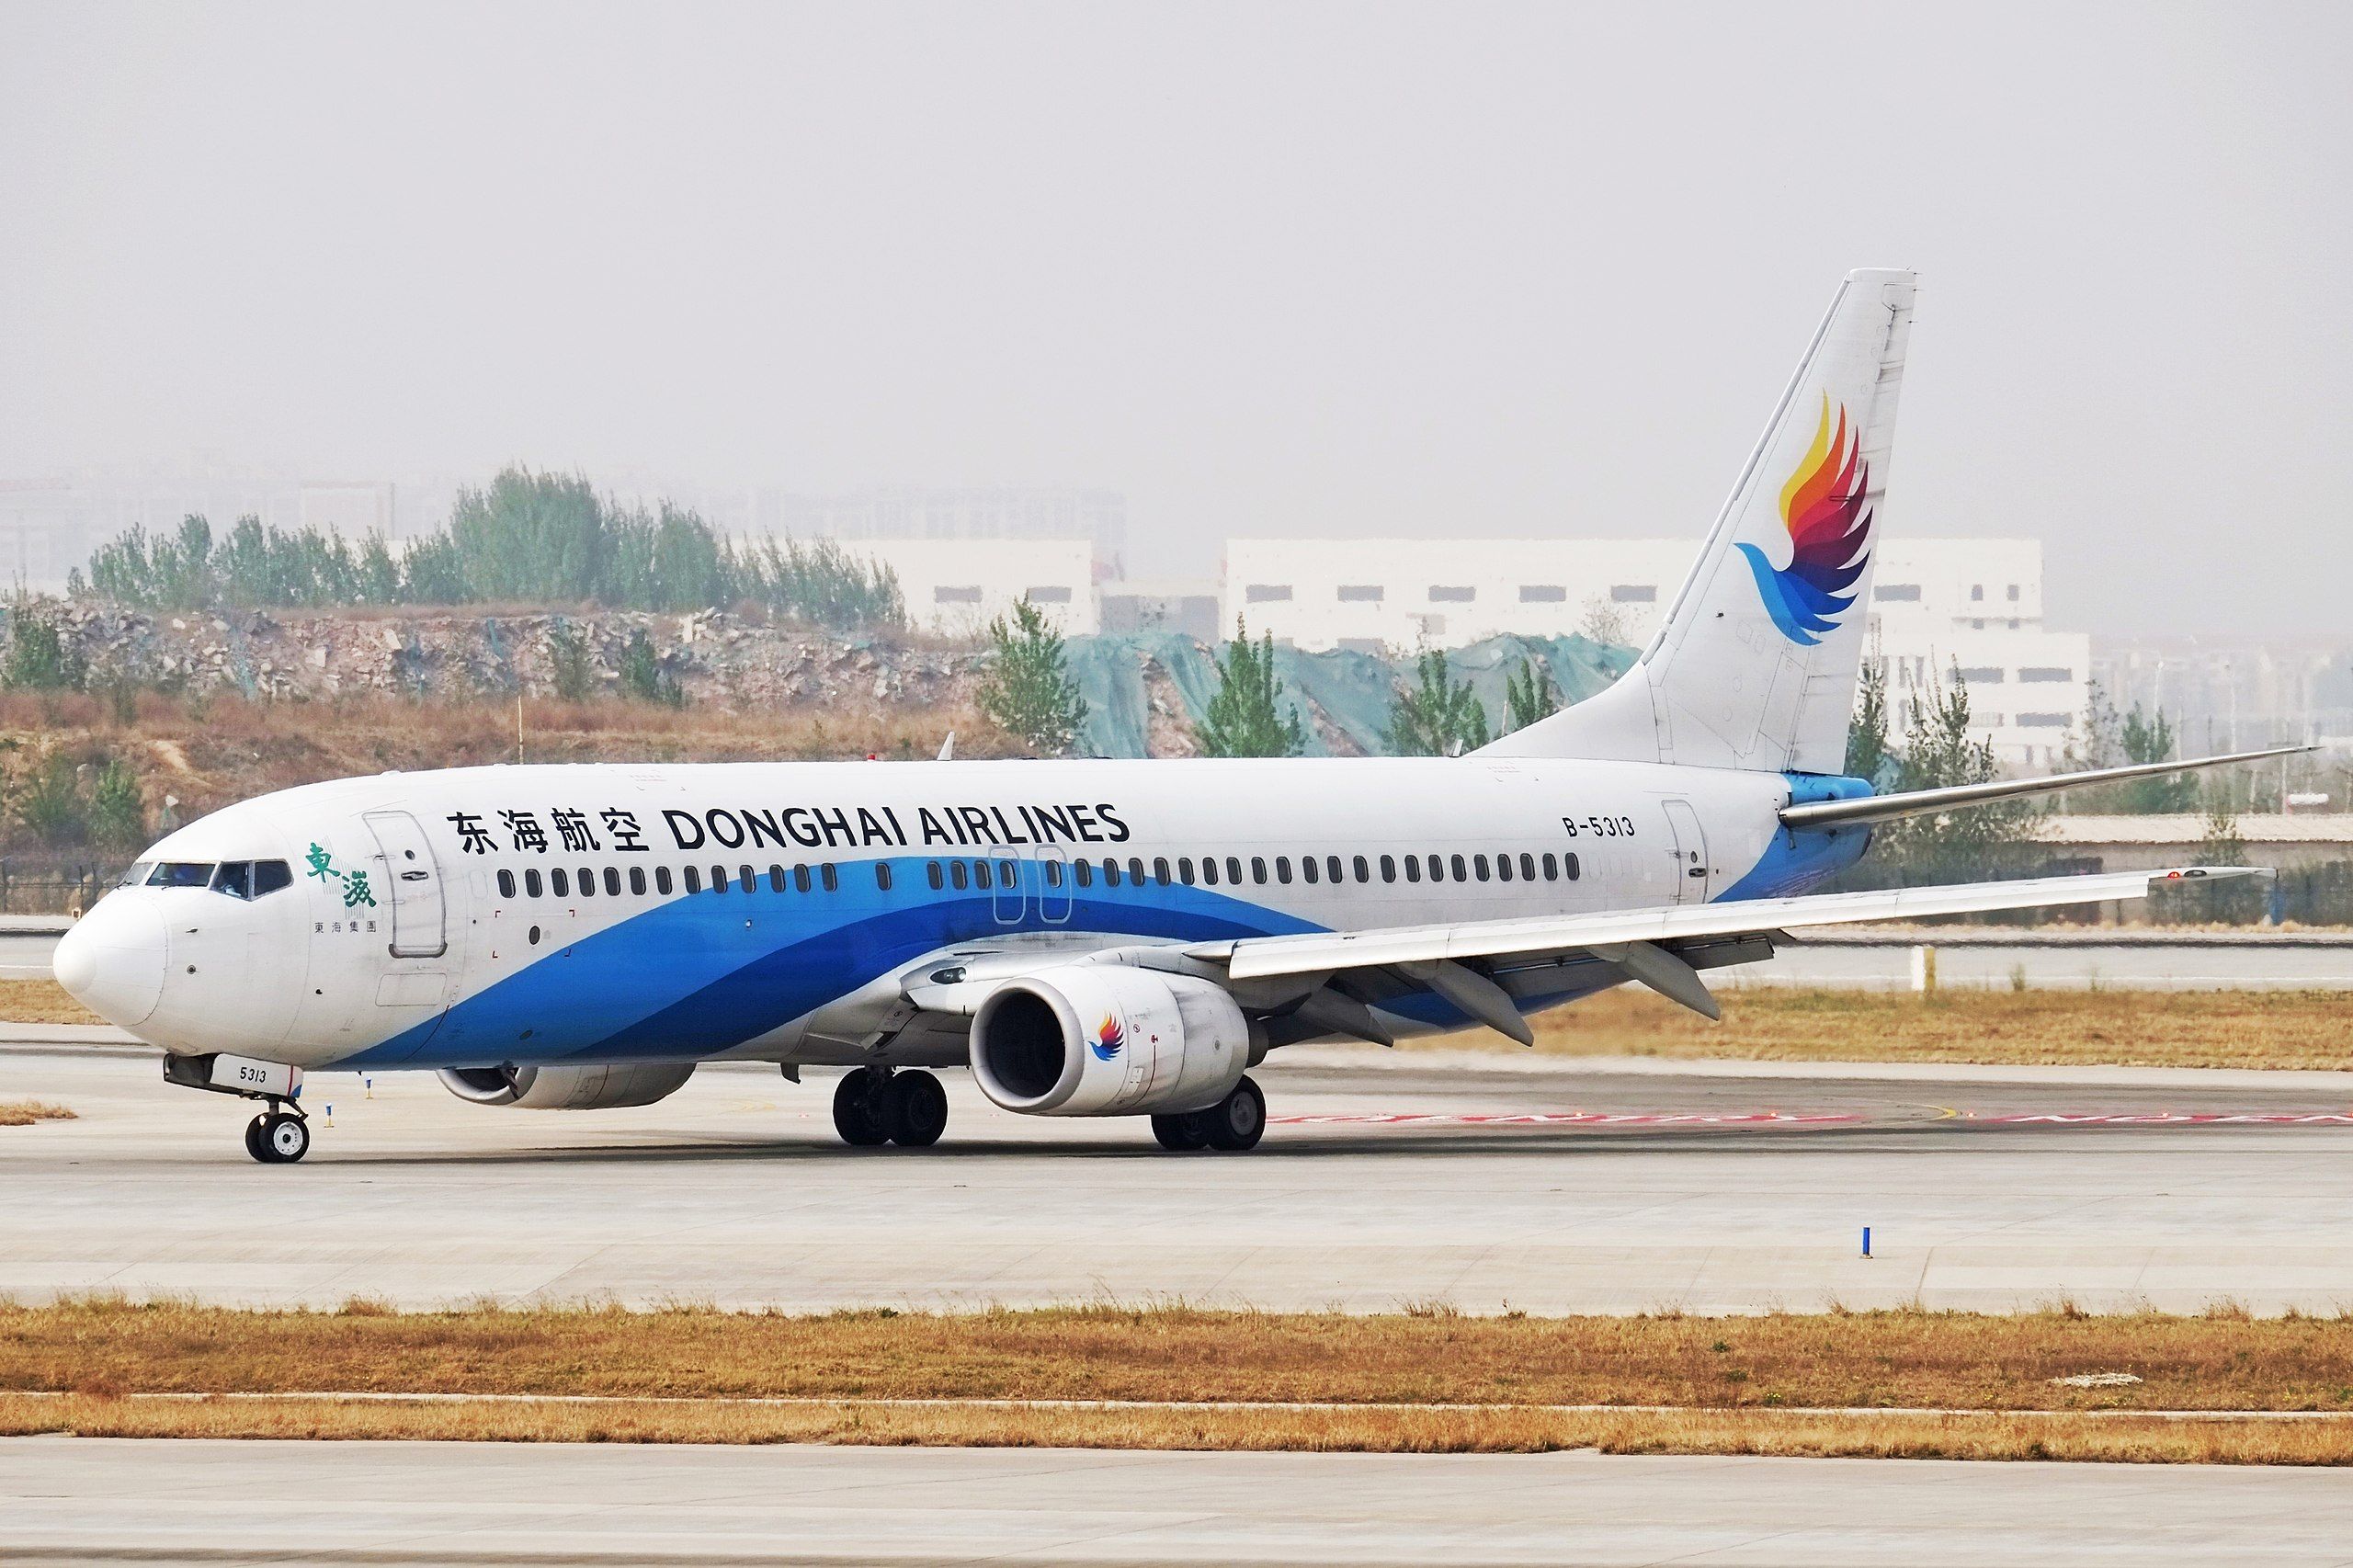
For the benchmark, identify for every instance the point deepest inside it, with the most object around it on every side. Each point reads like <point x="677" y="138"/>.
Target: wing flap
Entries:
<point x="1257" y="957"/>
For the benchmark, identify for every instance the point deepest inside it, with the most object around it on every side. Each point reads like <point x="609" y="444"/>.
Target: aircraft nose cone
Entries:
<point x="112" y="961"/>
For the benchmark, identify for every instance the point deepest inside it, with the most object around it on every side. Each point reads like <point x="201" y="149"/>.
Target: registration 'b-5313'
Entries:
<point x="1088" y="937"/>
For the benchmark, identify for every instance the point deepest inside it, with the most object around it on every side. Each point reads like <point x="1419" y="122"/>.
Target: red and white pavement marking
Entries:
<point x="1567" y="1119"/>
<point x="1799" y="1119"/>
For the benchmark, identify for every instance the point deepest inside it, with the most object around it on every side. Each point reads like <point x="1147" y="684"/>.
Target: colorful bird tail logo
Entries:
<point x="1108" y="1039"/>
<point x="1822" y="506"/>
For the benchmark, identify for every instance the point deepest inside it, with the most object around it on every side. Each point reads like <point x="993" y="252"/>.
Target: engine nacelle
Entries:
<point x="604" y="1087"/>
<point x="1089" y="1040"/>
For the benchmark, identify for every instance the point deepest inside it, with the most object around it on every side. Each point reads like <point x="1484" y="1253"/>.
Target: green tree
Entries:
<point x="1028" y="691"/>
<point x="1940" y="749"/>
<point x="1868" y="752"/>
<point x="39" y="658"/>
<point x="1242" y="718"/>
<point x="1436" y="717"/>
<point x="532" y="537"/>
<point x="117" y="815"/>
<point x="642" y="676"/>
<point x="572" y="670"/>
<point x="1530" y="693"/>
<point x="49" y="800"/>
<point x="2150" y="738"/>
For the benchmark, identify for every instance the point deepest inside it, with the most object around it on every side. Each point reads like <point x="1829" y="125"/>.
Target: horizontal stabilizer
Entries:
<point x="1920" y="802"/>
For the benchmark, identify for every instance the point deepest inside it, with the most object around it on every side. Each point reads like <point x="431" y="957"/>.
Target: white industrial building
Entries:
<point x="1936" y="606"/>
<point x="954" y="587"/>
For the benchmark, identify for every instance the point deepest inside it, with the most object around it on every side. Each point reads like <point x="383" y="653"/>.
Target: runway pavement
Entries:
<point x="93" y="1501"/>
<point x="1710" y="1186"/>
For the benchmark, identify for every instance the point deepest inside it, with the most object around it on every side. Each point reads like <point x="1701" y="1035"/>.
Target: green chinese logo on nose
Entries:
<point x="356" y="891"/>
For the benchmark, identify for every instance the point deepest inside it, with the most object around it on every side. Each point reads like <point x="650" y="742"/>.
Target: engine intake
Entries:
<point x="603" y="1086"/>
<point x="1099" y="1040"/>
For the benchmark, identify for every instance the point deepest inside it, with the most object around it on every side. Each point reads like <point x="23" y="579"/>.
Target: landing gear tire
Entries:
<point x="859" y="1100"/>
<point x="1183" y="1132"/>
<point x="914" y="1109"/>
<point x="278" y="1139"/>
<point x="1238" y="1122"/>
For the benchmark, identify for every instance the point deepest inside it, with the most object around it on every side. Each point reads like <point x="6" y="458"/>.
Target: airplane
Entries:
<point x="1089" y="937"/>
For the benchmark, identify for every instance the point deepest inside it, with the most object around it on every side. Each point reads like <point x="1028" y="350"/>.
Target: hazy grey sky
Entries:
<point x="1319" y="269"/>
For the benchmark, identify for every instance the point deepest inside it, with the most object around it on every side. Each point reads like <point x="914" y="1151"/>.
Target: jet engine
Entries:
<point x="600" y="1088"/>
<point x="1089" y="1040"/>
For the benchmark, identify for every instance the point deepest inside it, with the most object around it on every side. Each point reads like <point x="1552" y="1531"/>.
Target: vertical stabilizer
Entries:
<point x="1755" y="662"/>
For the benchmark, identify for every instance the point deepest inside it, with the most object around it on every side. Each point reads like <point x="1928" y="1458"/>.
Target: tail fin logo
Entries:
<point x="1108" y="1039"/>
<point x="1821" y="507"/>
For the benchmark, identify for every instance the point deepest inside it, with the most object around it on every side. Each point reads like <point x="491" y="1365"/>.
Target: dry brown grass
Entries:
<point x="41" y="1001"/>
<point x="24" y="1113"/>
<point x="2222" y="1361"/>
<point x="2060" y="1435"/>
<point x="2151" y="1028"/>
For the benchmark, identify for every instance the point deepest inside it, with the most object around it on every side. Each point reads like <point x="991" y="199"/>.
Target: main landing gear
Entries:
<point x="1233" y="1124"/>
<point x="877" y="1105"/>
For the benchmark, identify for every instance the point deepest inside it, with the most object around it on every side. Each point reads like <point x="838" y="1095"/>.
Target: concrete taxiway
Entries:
<point x="1605" y="1186"/>
<point x="85" y="1501"/>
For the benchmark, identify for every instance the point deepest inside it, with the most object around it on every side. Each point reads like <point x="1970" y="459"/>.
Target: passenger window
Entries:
<point x="1111" y="873"/>
<point x="931" y="874"/>
<point x="776" y="879"/>
<point x="694" y="880"/>
<point x="506" y="884"/>
<point x="1413" y="867"/>
<point x="748" y="879"/>
<point x="958" y="875"/>
<point x="559" y="884"/>
<point x="1526" y="867"/>
<point x="1233" y="869"/>
<point x="1053" y="873"/>
<point x="882" y="875"/>
<point x="1552" y="867"/>
<point x="1209" y="870"/>
<point x="1282" y="869"/>
<point x="980" y="874"/>
<point x="613" y="881"/>
<point x="801" y="878"/>
<point x="637" y="880"/>
<point x="1332" y="867"/>
<point x="1258" y="868"/>
<point x="1307" y="868"/>
<point x="1135" y="869"/>
<point x="719" y="879"/>
<point x="1005" y="874"/>
<point x="587" y="883"/>
<point x="661" y="880"/>
<point x="1502" y="867"/>
<point x="829" y="878"/>
<point x="1570" y="860"/>
<point x="234" y="877"/>
<point x="1084" y="871"/>
<point x="1160" y="870"/>
<point x="1185" y="870"/>
<point x="1364" y="872"/>
<point x="531" y="882"/>
<point x="1461" y="873"/>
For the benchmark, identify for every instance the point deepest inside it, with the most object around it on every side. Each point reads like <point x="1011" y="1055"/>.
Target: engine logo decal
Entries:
<point x="1108" y="1039"/>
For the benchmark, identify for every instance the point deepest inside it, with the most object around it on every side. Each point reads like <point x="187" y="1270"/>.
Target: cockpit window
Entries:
<point x="181" y="874"/>
<point x="251" y="879"/>
<point x="137" y="874"/>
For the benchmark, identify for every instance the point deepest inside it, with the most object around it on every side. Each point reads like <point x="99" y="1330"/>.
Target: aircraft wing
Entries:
<point x="1642" y="942"/>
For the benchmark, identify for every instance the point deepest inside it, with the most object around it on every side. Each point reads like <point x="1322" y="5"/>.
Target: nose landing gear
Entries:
<point x="277" y="1138"/>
